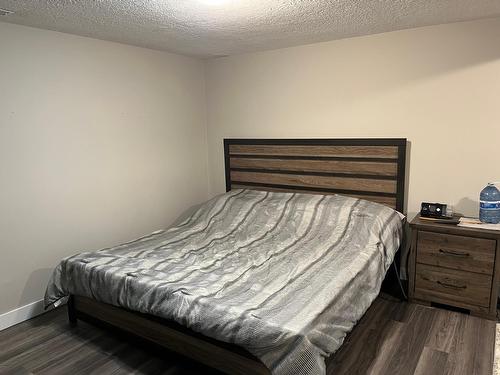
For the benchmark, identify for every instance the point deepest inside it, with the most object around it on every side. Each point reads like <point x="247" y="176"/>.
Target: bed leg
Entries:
<point x="71" y="311"/>
<point x="392" y="284"/>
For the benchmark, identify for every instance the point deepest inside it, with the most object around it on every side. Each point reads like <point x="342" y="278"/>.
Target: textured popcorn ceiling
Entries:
<point x="206" y="28"/>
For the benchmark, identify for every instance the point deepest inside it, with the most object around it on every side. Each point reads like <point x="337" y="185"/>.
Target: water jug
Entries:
<point x="489" y="204"/>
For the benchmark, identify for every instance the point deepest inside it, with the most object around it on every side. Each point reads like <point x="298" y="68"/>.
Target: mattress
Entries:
<point x="285" y="276"/>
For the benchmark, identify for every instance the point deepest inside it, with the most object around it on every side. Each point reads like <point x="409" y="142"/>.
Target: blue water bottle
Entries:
<point x="489" y="204"/>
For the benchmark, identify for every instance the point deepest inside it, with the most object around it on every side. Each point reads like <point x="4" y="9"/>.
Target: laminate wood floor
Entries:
<point x="392" y="338"/>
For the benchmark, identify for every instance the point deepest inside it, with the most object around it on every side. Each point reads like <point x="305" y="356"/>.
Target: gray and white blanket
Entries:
<point x="286" y="276"/>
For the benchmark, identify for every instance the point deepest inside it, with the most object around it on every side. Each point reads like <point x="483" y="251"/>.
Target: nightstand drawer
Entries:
<point x="457" y="252"/>
<point x="445" y="285"/>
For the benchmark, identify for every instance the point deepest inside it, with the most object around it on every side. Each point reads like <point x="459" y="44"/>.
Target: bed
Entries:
<point x="267" y="278"/>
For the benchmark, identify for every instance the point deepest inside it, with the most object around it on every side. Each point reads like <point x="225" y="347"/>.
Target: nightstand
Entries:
<point x="454" y="266"/>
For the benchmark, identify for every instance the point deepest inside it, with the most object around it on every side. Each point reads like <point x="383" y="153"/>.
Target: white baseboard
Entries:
<point x="21" y="314"/>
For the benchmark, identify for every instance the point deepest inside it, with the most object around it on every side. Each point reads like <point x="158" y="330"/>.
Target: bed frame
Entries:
<point x="372" y="169"/>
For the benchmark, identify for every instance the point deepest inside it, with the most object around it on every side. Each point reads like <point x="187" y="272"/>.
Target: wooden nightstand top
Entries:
<point x="429" y="225"/>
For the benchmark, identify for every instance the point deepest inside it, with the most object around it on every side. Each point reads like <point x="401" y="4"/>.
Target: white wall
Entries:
<point x="437" y="86"/>
<point x="99" y="143"/>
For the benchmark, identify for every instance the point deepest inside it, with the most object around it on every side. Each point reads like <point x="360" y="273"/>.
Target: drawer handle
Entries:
<point x="446" y="285"/>
<point x="454" y="253"/>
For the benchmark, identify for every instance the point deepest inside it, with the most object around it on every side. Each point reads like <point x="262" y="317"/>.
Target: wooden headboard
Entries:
<point x="372" y="169"/>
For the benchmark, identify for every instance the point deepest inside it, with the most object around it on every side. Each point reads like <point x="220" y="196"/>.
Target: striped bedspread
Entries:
<point x="284" y="275"/>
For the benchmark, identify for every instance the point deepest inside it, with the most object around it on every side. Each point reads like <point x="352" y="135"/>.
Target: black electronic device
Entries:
<point x="435" y="210"/>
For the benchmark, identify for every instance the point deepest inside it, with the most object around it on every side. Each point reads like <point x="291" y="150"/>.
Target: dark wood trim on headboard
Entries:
<point x="368" y="168"/>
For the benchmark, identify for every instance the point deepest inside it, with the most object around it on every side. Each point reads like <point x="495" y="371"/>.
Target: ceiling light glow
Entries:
<point x="213" y="2"/>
